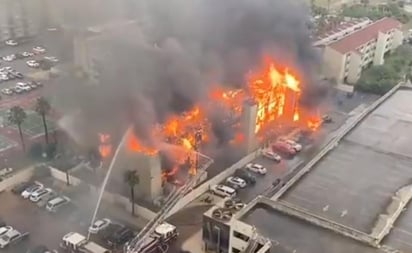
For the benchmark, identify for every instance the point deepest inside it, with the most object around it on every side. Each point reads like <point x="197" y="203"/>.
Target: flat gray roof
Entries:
<point x="352" y="185"/>
<point x="289" y="234"/>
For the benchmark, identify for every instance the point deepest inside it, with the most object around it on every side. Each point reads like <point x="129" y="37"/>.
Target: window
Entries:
<point x="241" y="236"/>
<point x="234" y="250"/>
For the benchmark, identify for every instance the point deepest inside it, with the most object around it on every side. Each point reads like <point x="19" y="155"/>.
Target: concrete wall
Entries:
<point x="18" y="177"/>
<point x="333" y="64"/>
<point x="125" y="202"/>
<point x="60" y="175"/>
<point x="107" y="196"/>
<point x="397" y="39"/>
<point x="355" y="68"/>
<point x="243" y="228"/>
<point x="215" y="180"/>
<point x="380" y="49"/>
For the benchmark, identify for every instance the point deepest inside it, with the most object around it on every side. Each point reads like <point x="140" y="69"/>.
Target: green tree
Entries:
<point x="132" y="179"/>
<point x="42" y="107"/>
<point x="16" y="116"/>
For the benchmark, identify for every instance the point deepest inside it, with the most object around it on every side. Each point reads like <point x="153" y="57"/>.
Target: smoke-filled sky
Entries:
<point x="183" y="48"/>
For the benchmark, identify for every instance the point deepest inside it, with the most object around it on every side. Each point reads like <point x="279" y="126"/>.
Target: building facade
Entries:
<point x="223" y="230"/>
<point x="17" y="19"/>
<point x="345" y="58"/>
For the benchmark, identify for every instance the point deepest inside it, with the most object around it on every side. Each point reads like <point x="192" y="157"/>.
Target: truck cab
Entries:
<point x="77" y="243"/>
<point x="160" y="239"/>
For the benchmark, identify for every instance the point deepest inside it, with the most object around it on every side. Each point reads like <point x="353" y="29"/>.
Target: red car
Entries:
<point x="284" y="148"/>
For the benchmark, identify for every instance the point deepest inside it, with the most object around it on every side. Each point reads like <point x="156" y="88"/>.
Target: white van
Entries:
<point x="223" y="190"/>
<point x="55" y="203"/>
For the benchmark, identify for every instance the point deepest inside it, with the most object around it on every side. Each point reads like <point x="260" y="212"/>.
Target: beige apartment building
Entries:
<point x="346" y="57"/>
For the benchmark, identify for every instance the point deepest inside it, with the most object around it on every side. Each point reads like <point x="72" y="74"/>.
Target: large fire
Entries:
<point x="275" y="90"/>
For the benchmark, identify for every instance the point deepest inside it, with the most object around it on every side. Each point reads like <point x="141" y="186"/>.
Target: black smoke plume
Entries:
<point x="168" y="60"/>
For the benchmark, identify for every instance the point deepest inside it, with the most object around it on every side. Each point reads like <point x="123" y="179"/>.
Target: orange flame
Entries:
<point x="135" y="145"/>
<point x="105" y="147"/>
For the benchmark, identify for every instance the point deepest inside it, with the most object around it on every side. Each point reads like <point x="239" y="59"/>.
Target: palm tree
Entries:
<point x="42" y="107"/>
<point x="16" y="116"/>
<point x="132" y="179"/>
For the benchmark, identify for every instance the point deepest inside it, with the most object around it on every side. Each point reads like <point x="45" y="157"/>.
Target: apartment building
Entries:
<point x="17" y="19"/>
<point x="337" y="32"/>
<point x="345" y="58"/>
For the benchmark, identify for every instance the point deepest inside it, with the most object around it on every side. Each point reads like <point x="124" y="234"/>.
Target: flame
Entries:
<point x="105" y="147"/>
<point x="276" y="91"/>
<point x="134" y="144"/>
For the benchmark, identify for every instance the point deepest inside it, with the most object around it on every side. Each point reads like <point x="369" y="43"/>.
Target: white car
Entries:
<point x="271" y="155"/>
<point x="6" y="69"/>
<point x="54" y="204"/>
<point x="4" y="77"/>
<point x="10" y="237"/>
<point x="9" y="58"/>
<point x="257" y="168"/>
<point x="39" y="50"/>
<point x="17" y="90"/>
<point x="32" y="64"/>
<point x="27" y="54"/>
<point x="23" y="86"/>
<point x="11" y="43"/>
<point x="5" y="171"/>
<point x="5" y="229"/>
<point x="236" y="181"/>
<point x="99" y="225"/>
<point x="39" y="194"/>
<point x="223" y="190"/>
<point x="7" y="91"/>
<point x="27" y="192"/>
<point x="296" y="146"/>
<point x="51" y="58"/>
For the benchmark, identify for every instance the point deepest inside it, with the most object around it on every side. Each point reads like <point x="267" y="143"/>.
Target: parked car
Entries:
<point x="271" y="155"/>
<point x="27" y="54"/>
<point x="298" y="147"/>
<point x="283" y="148"/>
<point x="39" y="50"/>
<point x="19" y="188"/>
<point x="39" y="194"/>
<point x="239" y="182"/>
<point x="43" y="201"/>
<point x="120" y="237"/>
<point x="326" y="119"/>
<point x="11" y="237"/>
<point x="33" y="64"/>
<point x="99" y="225"/>
<point x="5" y="171"/>
<point x="7" y="91"/>
<point x="223" y="190"/>
<point x="245" y="175"/>
<point x="51" y="59"/>
<point x="56" y="203"/>
<point x="110" y="230"/>
<point x="9" y="58"/>
<point x="17" y="90"/>
<point x="257" y="168"/>
<point x="23" y="86"/>
<point x="28" y="191"/>
<point x="11" y="43"/>
<point x="5" y="229"/>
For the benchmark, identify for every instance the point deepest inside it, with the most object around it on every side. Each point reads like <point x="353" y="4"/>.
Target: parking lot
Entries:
<point x="48" y="228"/>
<point x="276" y="171"/>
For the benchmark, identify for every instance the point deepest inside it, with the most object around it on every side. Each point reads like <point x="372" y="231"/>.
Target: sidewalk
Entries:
<point x="194" y="243"/>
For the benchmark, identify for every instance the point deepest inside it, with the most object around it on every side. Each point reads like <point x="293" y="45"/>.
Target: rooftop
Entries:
<point x="362" y="36"/>
<point x="351" y="186"/>
<point x="289" y="234"/>
<point x="336" y="28"/>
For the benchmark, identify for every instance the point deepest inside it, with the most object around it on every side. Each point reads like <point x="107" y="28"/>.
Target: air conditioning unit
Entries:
<point x="234" y="204"/>
<point x="223" y="214"/>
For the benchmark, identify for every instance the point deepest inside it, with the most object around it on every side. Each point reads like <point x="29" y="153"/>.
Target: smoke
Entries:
<point x="168" y="60"/>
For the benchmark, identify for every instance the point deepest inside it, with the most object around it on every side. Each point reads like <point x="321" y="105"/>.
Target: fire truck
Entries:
<point x="159" y="241"/>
